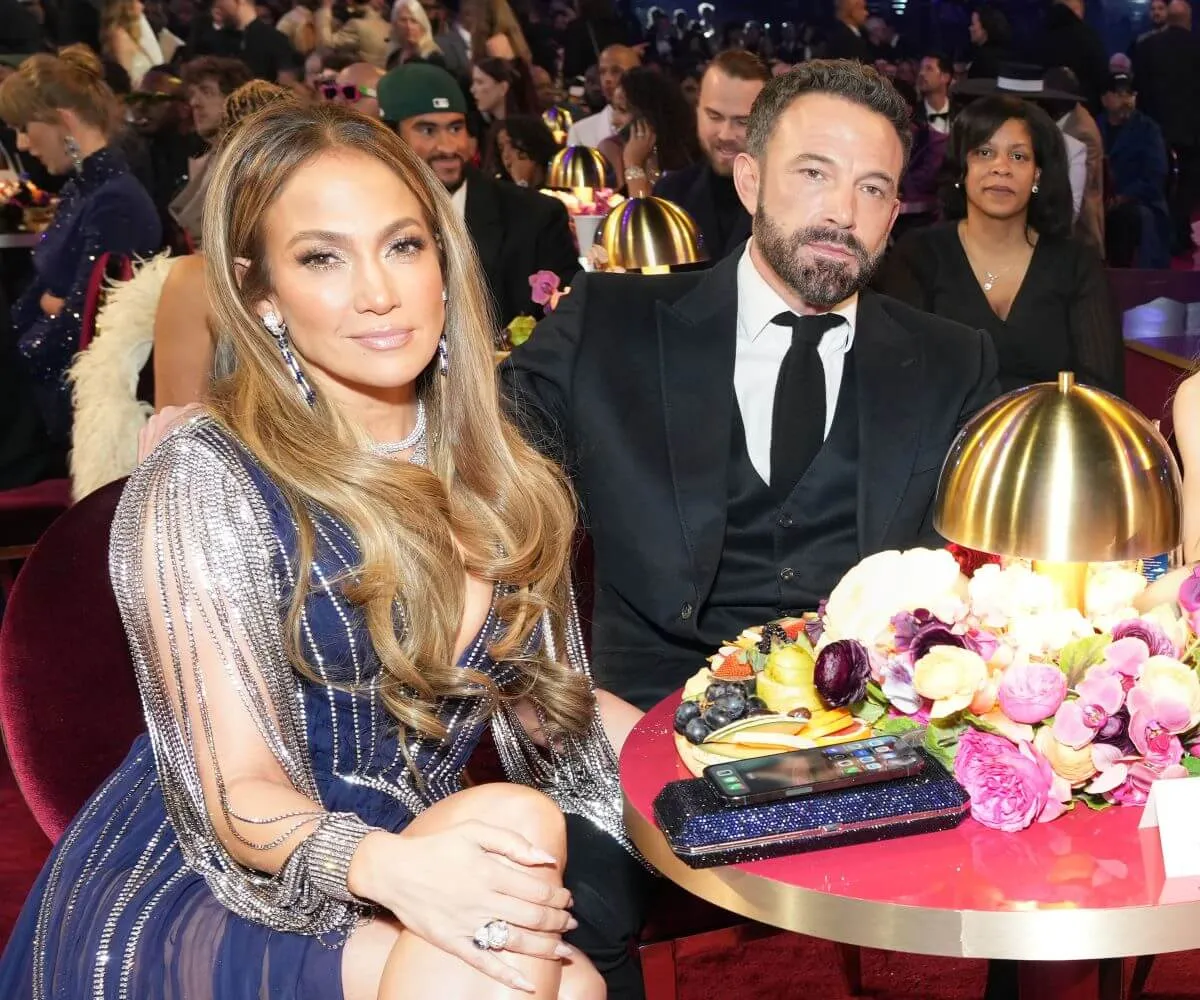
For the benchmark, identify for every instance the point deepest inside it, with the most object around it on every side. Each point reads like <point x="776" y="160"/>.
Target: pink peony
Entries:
<point x="1156" y="640"/>
<point x="1010" y="785"/>
<point x="1031" y="692"/>
<point x="543" y="285"/>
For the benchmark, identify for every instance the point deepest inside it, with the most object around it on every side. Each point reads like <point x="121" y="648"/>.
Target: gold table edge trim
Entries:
<point x="1056" y="935"/>
<point x="1174" y="360"/>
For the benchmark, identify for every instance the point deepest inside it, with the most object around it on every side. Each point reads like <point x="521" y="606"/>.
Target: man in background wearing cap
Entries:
<point x="516" y="232"/>
<point x="1138" y="219"/>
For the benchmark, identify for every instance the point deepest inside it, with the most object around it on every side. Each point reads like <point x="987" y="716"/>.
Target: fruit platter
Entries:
<point x="757" y="695"/>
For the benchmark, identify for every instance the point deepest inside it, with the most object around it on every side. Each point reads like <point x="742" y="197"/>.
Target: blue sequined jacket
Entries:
<point x="102" y="209"/>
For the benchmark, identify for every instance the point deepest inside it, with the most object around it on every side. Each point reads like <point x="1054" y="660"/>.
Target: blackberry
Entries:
<point x="770" y="632"/>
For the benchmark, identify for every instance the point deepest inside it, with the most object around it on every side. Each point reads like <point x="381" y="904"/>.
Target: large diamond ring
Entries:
<point x="492" y="936"/>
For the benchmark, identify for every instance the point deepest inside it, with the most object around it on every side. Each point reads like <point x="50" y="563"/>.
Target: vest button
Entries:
<point x="787" y="574"/>
<point x="785" y="520"/>
<point x="685" y="612"/>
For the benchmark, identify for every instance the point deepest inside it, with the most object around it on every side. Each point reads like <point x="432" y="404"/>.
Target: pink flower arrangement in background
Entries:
<point x="595" y="201"/>
<point x="1034" y="705"/>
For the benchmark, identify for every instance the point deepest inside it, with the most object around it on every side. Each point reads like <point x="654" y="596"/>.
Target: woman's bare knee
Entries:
<point x="515" y="807"/>
<point x="580" y="980"/>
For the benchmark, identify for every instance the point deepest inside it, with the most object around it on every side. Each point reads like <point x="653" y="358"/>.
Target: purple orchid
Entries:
<point x="1189" y="592"/>
<point x="1101" y="694"/>
<point x="897" y="674"/>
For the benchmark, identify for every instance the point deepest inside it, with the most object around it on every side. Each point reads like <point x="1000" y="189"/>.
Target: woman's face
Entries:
<point x="518" y="165"/>
<point x="47" y="143"/>
<point x="408" y="28"/>
<point x="356" y="276"/>
<point x="621" y="115"/>
<point x="489" y="94"/>
<point x="1001" y="172"/>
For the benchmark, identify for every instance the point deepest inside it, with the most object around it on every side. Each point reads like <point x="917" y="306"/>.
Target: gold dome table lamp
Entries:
<point x="578" y="169"/>
<point x="650" y="235"/>
<point x="1065" y="475"/>
<point x="559" y="121"/>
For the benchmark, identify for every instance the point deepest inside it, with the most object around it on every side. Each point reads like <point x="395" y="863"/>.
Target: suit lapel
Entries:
<point x="486" y="226"/>
<point x="889" y="383"/>
<point x="700" y="197"/>
<point x="697" y="340"/>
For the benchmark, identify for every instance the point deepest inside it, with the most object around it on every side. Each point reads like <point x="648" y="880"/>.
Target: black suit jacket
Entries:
<point x="1069" y="41"/>
<point x="517" y="233"/>
<point x="1167" y="68"/>
<point x="842" y="43"/>
<point x="691" y="190"/>
<point x="629" y="384"/>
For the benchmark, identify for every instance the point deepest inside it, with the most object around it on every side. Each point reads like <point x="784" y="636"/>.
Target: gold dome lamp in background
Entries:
<point x="1064" y="475"/>
<point x="579" y="169"/>
<point x="559" y="121"/>
<point x="650" y="235"/>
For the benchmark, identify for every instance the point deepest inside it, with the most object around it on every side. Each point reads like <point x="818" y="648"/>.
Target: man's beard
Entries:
<point x="453" y="186"/>
<point x="722" y="168"/>
<point x="822" y="282"/>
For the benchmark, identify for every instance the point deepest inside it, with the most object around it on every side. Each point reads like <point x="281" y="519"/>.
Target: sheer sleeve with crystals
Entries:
<point x="203" y="587"/>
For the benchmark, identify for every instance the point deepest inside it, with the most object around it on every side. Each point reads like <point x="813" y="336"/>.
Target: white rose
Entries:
<point x="998" y="595"/>
<point x="1045" y="633"/>
<point x="866" y="599"/>
<point x="1112" y="589"/>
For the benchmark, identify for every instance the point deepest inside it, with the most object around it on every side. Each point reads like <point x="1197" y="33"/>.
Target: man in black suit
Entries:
<point x="516" y="232"/>
<point x="705" y="190"/>
<point x="845" y="39"/>
<point x="741" y="437"/>
<point x="1068" y="40"/>
<point x="1166" y="69"/>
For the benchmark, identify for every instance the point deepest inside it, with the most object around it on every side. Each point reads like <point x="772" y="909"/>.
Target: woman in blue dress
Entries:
<point x="332" y="582"/>
<point x="64" y="114"/>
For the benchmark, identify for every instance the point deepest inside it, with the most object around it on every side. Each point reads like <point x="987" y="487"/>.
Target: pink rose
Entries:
<point x="1031" y="692"/>
<point x="543" y="285"/>
<point x="1010" y="785"/>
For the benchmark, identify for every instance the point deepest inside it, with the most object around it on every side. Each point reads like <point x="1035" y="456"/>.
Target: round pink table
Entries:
<point x="1058" y="898"/>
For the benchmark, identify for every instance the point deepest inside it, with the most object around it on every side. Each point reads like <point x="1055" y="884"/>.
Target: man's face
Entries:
<point x="721" y="117"/>
<point x="931" y="79"/>
<point x="436" y="14"/>
<point x="824" y="196"/>
<point x="1158" y="13"/>
<point x="356" y="89"/>
<point x="612" y="66"/>
<point x="224" y="11"/>
<point x="207" y="102"/>
<point x="441" y="140"/>
<point x="1119" y="105"/>
<point x="857" y="10"/>
<point x="978" y="35"/>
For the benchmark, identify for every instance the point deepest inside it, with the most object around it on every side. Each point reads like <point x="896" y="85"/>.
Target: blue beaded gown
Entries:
<point x="139" y="900"/>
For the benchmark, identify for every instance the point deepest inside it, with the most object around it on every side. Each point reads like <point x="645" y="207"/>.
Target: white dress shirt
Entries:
<point x="1076" y="166"/>
<point x="758" y="356"/>
<point x="458" y="201"/>
<point x="938" y="124"/>
<point x="592" y="130"/>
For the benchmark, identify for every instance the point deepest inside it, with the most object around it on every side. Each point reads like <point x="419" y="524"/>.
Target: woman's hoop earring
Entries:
<point x="278" y="329"/>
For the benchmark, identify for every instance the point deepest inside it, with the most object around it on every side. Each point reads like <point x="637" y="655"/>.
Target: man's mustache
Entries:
<point x="836" y="237"/>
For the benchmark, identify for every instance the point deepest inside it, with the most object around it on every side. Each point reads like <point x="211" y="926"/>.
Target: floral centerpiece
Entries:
<point x="586" y="208"/>
<point x="1037" y="707"/>
<point x="544" y="290"/>
<point x="23" y="205"/>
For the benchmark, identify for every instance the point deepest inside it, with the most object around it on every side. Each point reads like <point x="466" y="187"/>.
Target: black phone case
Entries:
<point x="704" y="831"/>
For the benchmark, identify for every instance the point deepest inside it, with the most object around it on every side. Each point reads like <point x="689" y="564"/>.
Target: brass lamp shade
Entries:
<point x="559" y="121"/>
<point x="650" y="234"/>
<point x="578" y="167"/>
<point x="1062" y="473"/>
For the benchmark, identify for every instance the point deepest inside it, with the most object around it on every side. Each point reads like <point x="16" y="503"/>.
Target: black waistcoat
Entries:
<point x="781" y="558"/>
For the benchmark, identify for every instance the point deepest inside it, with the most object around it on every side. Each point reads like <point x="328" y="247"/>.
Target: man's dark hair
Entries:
<point x="741" y="65"/>
<point x="844" y="78"/>
<point x="1051" y="209"/>
<point x="995" y="25"/>
<point x="228" y="74"/>
<point x="943" y="62"/>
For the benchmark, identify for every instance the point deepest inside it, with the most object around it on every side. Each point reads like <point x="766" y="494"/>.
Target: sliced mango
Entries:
<point x="778" y="741"/>
<point x="766" y="723"/>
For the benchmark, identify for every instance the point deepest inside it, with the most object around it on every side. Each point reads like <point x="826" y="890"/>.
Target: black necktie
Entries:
<point x="798" y="418"/>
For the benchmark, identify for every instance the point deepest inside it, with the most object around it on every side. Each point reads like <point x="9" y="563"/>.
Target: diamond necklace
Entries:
<point x="415" y="439"/>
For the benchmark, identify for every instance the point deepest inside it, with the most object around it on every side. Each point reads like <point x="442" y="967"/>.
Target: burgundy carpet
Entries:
<point x="783" y="967"/>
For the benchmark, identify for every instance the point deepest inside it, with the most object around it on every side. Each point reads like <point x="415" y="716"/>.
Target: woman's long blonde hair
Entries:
<point x="426" y="46"/>
<point x="485" y="490"/>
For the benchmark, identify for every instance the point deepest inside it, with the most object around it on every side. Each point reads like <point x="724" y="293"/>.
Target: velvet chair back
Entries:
<point x="69" y="704"/>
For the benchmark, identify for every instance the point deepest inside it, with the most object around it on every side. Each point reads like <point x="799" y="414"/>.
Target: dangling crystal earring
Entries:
<point x="277" y="329"/>
<point x="445" y="295"/>
<point x="443" y="355"/>
<point x="74" y="152"/>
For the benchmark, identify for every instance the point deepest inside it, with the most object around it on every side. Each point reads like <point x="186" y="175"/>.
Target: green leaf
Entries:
<point x="875" y="694"/>
<point x="1077" y="656"/>
<point x="975" y="722"/>
<point x="897" y="725"/>
<point x="1192" y="764"/>
<point x="1096" y="803"/>
<point x="757" y="660"/>
<point x="869" y="711"/>
<point x="941" y="738"/>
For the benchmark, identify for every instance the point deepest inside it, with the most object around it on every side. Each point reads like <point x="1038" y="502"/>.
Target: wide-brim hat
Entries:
<point x="1015" y="80"/>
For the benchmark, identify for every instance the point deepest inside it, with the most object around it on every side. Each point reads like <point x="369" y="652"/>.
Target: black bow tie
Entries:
<point x="938" y="114"/>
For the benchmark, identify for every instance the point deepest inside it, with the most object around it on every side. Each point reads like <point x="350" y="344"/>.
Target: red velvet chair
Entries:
<point x="69" y="705"/>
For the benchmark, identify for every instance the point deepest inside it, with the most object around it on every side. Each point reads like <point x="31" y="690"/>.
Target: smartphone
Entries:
<point x="809" y="772"/>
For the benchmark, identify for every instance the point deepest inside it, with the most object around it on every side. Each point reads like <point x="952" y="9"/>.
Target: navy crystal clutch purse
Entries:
<point x="704" y="831"/>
